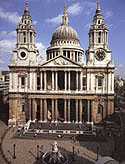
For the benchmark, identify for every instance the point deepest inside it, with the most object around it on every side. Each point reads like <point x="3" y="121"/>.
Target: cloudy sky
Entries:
<point x="46" y="16"/>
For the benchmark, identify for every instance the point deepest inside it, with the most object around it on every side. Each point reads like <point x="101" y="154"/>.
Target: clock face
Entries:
<point x="23" y="55"/>
<point x="100" y="55"/>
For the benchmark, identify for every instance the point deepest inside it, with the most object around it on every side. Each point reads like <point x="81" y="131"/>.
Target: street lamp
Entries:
<point x="37" y="156"/>
<point x="97" y="153"/>
<point x="14" y="151"/>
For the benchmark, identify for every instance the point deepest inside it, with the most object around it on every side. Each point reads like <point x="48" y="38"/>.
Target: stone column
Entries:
<point x="45" y="111"/>
<point x="56" y="111"/>
<point x="88" y="110"/>
<point x="77" y="57"/>
<point x="77" y="80"/>
<point x="41" y="80"/>
<point x="109" y="82"/>
<point x="80" y="111"/>
<point x="112" y="82"/>
<point x="88" y="81"/>
<point x="74" y="56"/>
<point x="77" y="111"/>
<point x="53" y="80"/>
<point x="56" y="81"/>
<point x="66" y="54"/>
<point x="41" y="110"/>
<point x="11" y="81"/>
<point x="34" y="109"/>
<point x="30" y="109"/>
<point x="81" y="81"/>
<point x="31" y="80"/>
<point x="68" y="110"/>
<point x="65" y="110"/>
<point x="65" y="80"/>
<point x="26" y="83"/>
<point x="35" y="79"/>
<point x="69" y="81"/>
<point x="52" y="110"/>
<point x="45" y="79"/>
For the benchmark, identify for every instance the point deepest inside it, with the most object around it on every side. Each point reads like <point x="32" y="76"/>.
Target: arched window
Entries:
<point x="30" y="37"/>
<point x="100" y="109"/>
<point x="24" y="36"/>
<point x="99" y="22"/>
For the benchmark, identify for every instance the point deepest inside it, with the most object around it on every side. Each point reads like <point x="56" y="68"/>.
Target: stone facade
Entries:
<point x="71" y="86"/>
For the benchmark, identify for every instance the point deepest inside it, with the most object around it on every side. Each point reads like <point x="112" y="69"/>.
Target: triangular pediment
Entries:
<point x="60" y="61"/>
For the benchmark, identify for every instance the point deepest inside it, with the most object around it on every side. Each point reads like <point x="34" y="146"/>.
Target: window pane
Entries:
<point x="22" y="81"/>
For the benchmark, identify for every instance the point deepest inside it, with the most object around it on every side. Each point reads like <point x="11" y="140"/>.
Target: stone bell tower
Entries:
<point x="100" y="67"/>
<point x="26" y="51"/>
<point x="98" y="52"/>
<point x="24" y="57"/>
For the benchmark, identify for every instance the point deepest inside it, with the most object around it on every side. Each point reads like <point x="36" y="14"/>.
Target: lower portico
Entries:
<point x="60" y="110"/>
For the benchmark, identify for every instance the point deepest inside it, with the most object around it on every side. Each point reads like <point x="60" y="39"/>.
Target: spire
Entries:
<point x="98" y="5"/>
<point x="26" y="7"/>
<point x="65" y="18"/>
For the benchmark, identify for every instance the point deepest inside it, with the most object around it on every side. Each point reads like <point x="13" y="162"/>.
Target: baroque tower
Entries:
<point x="26" y="51"/>
<point x="24" y="56"/>
<point x="98" y="52"/>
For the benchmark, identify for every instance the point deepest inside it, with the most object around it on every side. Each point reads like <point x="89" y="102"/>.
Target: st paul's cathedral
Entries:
<point x="73" y="85"/>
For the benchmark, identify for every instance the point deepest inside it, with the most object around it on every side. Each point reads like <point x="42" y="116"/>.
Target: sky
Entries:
<point x="46" y="15"/>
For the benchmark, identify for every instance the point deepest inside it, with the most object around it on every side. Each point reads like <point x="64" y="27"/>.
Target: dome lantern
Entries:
<point x="65" y="18"/>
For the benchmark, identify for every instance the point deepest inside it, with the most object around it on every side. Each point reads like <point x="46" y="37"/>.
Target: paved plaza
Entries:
<point x="2" y="130"/>
<point x="26" y="149"/>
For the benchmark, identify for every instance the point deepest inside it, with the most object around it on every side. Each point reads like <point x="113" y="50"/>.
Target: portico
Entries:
<point x="66" y="80"/>
<point x="60" y="110"/>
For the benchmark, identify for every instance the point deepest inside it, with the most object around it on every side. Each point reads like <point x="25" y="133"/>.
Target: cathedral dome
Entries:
<point x="65" y="33"/>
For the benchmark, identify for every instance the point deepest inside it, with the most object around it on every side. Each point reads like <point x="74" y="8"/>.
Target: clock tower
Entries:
<point x="98" y="52"/>
<point x="25" y="51"/>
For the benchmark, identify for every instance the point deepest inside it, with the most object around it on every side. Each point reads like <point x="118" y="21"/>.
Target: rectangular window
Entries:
<point x="84" y="83"/>
<point x="100" y="82"/>
<point x="22" y="82"/>
<point x="99" y="37"/>
<point x="23" y="108"/>
<point x="99" y="40"/>
<point x="24" y="39"/>
<point x="24" y="33"/>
